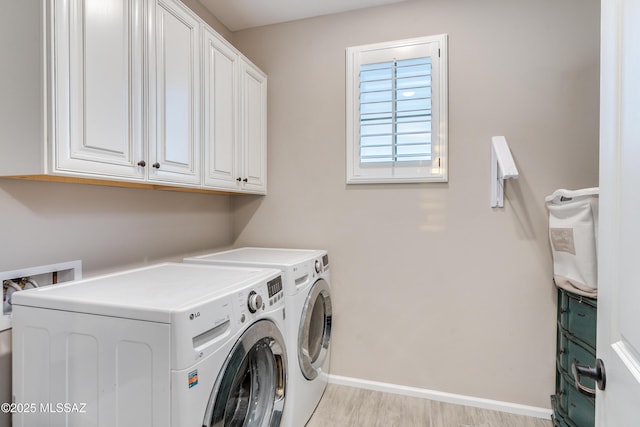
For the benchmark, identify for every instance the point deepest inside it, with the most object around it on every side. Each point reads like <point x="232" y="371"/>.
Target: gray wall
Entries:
<point x="105" y="227"/>
<point x="433" y="288"/>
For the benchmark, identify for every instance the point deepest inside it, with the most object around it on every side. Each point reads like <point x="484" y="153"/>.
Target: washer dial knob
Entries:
<point x="254" y="302"/>
<point x="318" y="266"/>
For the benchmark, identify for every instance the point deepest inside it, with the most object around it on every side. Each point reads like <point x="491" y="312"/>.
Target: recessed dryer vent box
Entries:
<point x="44" y="275"/>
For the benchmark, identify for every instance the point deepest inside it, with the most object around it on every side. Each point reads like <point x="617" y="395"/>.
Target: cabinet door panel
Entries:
<point x="176" y="147"/>
<point x="254" y="129"/>
<point x="220" y="105"/>
<point x="98" y="86"/>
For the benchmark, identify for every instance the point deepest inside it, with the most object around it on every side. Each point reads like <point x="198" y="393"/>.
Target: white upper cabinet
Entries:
<point x="174" y="150"/>
<point x="235" y="112"/>
<point x="253" y="133"/>
<point x="128" y="92"/>
<point x="220" y="127"/>
<point x="98" y="87"/>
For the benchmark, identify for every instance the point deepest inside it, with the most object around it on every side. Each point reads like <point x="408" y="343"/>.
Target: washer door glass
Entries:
<point x="315" y="330"/>
<point x="250" y="390"/>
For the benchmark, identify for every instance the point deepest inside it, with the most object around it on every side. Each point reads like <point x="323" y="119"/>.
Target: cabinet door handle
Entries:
<point x="142" y="163"/>
<point x="245" y="180"/>
<point x="238" y="179"/>
<point x="156" y="165"/>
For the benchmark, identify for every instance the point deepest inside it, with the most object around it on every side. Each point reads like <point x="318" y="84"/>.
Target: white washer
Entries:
<point x="171" y="345"/>
<point x="308" y="318"/>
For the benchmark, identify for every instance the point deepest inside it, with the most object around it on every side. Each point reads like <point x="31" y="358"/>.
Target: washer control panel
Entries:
<point x="261" y="298"/>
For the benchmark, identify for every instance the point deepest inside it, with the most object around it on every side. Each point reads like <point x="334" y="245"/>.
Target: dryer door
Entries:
<point x="250" y="389"/>
<point x="315" y="330"/>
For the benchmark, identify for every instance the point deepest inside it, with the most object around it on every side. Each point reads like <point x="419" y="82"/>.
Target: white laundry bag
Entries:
<point x="573" y="234"/>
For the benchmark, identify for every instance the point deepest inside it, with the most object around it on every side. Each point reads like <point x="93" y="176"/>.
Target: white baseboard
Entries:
<point x="458" y="399"/>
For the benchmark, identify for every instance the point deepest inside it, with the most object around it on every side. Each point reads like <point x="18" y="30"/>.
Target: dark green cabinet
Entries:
<point x="576" y="343"/>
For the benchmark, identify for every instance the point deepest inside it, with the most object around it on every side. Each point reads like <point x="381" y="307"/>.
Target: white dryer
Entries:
<point x="171" y="345"/>
<point x="308" y="318"/>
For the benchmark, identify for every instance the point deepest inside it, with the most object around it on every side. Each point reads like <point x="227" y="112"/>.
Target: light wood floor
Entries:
<point x="343" y="406"/>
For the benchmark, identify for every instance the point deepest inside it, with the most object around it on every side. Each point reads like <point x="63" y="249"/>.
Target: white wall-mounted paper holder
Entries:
<point x="502" y="167"/>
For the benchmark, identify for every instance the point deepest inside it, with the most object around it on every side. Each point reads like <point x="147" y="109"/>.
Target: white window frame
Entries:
<point x="435" y="170"/>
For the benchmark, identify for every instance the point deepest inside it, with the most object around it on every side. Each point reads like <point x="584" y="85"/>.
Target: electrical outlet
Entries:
<point x="25" y="278"/>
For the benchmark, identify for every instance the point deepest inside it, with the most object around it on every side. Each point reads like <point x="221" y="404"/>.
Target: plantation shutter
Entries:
<point x="395" y="111"/>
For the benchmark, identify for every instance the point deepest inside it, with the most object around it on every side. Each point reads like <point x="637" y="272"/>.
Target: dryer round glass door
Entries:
<point x="315" y="330"/>
<point x="250" y="390"/>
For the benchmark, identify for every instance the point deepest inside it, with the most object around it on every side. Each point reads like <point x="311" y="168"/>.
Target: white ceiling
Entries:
<point x="241" y="14"/>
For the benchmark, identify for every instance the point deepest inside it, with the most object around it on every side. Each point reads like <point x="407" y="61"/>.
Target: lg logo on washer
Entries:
<point x="194" y="315"/>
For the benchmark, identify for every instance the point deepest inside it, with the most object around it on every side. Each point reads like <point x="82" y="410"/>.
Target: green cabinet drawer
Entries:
<point x="576" y="343"/>
<point x="559" y="418"/>
<point x="572" y="351"/>
<point x="579" y="409"/>
<point x="577" y="315"/>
